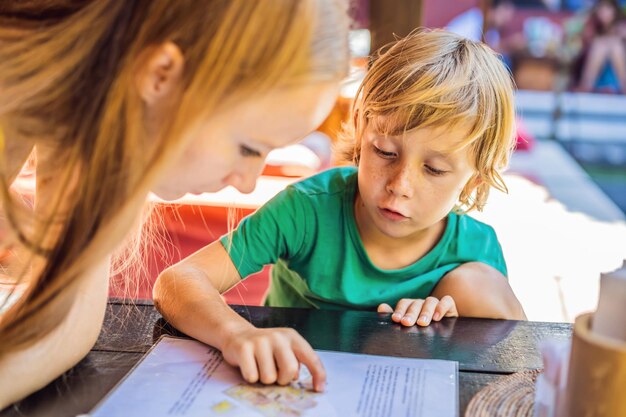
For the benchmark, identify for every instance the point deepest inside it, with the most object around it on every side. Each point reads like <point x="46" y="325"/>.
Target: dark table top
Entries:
<point x="485" y="349"/>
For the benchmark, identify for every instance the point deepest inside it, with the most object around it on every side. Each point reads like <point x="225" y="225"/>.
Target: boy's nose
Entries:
<point x="402" y="182"/>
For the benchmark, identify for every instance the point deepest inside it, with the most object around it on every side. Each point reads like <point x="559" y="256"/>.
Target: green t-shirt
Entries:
<point x="309" y="232"/>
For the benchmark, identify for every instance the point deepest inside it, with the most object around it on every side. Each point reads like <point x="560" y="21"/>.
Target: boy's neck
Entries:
<point x="387" y="252"/>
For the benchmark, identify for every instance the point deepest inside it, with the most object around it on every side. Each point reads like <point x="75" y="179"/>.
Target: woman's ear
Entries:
<point x="159" y="77"/>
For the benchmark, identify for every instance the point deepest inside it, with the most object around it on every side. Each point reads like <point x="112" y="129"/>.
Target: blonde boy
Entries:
<point x="433" y="124"/>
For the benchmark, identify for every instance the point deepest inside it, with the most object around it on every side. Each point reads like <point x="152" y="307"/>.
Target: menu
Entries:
<point x="183" y="377"/>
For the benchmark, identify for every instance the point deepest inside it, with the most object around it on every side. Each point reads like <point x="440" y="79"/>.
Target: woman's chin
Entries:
<point x="168" y="195"/>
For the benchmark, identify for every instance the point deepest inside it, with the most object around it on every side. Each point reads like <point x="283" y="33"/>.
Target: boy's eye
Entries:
<point x="246" y="151"/>
<point x="384" y="154"/>
<point x="434" y="171"/>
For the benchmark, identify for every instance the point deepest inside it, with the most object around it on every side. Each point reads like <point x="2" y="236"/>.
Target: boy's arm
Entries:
<point x="480" y="290"/>
<point x="188" y="296"/>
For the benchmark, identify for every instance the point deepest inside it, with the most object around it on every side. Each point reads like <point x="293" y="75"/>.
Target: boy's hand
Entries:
<point x="410" y="311"/>
<point x="273" y="356"/>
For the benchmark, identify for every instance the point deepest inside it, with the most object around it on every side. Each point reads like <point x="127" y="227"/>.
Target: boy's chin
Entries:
<point x="395" y="231"/>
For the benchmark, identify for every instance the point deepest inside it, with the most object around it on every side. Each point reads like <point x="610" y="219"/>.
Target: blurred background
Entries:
<point x="562" y="222"/>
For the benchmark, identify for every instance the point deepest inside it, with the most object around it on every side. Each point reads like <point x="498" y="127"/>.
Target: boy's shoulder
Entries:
<point x="329" y="182"/>
<point x="469" y="226"/>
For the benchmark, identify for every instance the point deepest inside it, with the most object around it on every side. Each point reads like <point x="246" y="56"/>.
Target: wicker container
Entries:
<point x="596" y="382"/>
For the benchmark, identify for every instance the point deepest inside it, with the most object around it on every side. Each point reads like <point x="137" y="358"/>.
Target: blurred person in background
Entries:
<point x="602" y="63"/>
<point x="471" y="23"/>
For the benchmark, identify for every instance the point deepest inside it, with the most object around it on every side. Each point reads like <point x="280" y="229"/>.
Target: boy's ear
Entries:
<point x="475" y="181"/>
<point x="472" y="184"/>
<point x="161" y="73"/>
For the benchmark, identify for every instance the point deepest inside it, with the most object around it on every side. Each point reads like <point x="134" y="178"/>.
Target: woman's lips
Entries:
<point x="391" y="214"/>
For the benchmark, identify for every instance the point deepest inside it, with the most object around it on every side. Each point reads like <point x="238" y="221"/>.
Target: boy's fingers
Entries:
<point x="247" y="366"/>
<point x="447" y="307"/>
<point x="265" y="362"/>
<point x="384" y="308"/>
<point x="400" y="310"/>
<point x="288" y="365"/>
<point x="410" y="317"/>
<point x="428" y="309"/>
<point x="307" y="356"/>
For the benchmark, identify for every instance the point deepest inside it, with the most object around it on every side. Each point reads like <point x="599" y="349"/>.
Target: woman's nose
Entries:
<point x="241" y="184"/>
<point x="244" y="178"/>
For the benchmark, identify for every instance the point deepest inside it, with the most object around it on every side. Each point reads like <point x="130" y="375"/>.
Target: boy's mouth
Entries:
<point x="392" y="214"/>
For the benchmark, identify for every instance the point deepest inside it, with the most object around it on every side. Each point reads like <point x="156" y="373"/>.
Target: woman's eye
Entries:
<point x="245" y="151"/>
<point x="434" y="171"/>
<point x="384" y="154"/>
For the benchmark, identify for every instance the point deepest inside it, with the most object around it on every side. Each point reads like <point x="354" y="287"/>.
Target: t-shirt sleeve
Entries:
<point x="494" y="256"/>
<point x="492" y="251"/>
<point x="275" y="231"/>
<point x="479" y="242"/>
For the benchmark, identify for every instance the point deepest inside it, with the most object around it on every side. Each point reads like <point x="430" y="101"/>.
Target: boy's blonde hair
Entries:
<point x="68" y="75"/>
<point x="436" y="79"/>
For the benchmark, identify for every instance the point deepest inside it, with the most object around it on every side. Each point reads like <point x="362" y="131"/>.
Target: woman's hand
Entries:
<point x="272" y="356"/>
<point x="410" y="311"/>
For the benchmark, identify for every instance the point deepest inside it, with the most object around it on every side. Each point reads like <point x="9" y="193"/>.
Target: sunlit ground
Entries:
<point x="558" y="233"/>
